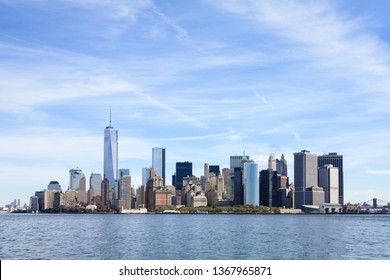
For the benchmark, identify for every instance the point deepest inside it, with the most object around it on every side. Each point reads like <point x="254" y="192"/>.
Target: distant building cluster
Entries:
<point x="318" y="184"/>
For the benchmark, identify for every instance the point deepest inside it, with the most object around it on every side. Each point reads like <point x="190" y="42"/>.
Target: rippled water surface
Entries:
<point x="294" y="237"/>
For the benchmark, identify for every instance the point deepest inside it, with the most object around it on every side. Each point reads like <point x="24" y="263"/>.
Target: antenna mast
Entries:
<point x="110" y="116"/>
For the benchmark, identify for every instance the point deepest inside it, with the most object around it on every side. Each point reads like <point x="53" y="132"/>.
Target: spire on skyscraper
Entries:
<point x="110" y="116"/>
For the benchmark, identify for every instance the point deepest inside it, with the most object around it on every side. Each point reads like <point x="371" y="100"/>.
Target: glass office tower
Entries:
<point x="111" y="155"/>
<point x="158" y="162"/>
<point x="251" y="184"/>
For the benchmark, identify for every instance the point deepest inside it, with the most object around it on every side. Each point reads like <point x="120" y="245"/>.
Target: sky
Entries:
<point x="204" y="79"/>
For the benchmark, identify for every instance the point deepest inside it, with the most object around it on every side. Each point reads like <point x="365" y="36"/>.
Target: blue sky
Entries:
<point x="204" y="79"/>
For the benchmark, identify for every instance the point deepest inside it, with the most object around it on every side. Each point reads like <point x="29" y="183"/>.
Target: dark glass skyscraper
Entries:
<point x="214" y="169"/>
<point x="183" y="169"/>
<point x="337" y="161"/>
<point x="269" y="188"/>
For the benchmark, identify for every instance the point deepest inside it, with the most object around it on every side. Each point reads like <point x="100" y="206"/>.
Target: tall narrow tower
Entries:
<point x="158" y="162"/>
<point x="305" y="175"/>
<point x="337" y="161"/>
<point x="111" y="154"/>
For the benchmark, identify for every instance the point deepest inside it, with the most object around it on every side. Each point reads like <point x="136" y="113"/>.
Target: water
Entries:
<point x="279" y="237"/>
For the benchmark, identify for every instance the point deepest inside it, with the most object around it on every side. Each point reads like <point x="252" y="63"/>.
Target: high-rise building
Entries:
<point x="305" y="175"/>
<point x="34" y="206"/>
<point x="237" y="161"/>
<point x="158" y="162"/>
<point x="251" y="184"/>
<point x="111" y="155"/>
<point x="95" y="183"/>
<point x="328" y="179"/>
<point x="54" y="186"/>
<point x="272" y="162"/>
<point x="120" y="187"/>
<point x="77" y="180"/>
<point x="214" y="169"/>
<point x="337" y="161"/>
<point x="95" y="188"/>
<point x="145" y="175"/>
<point x="238" y="188"/>
<point x="183" y="169"/>
<point x="281" y="166"/>
<point x="236" y="191"/>
<point x="268" y="188"/>
<point x="126" y="191"/>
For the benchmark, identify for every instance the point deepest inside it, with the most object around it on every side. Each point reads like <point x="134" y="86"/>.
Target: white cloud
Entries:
<point x="379" y="172"/>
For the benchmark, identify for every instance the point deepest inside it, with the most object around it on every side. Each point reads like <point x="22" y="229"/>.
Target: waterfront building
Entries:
<point x="77" y="180"/>
<point x="314" y="196"/>
<point x="281" y="166"/>
<point x="140" y="197"/>
<point x="34" y="204"/>
<point x="286" y="195"/>
<point x="158" y="162"/>
<point x="305" y="175"/>
<point x="198" y="199"/>
<point x="54" y="186"/>
<point x="154" y="183"/>
<point x="183" y="169"/>
<point x="163" y="197"/>
<point x="337" y="161"/>
<point x="328" y="179"/>
<point x="251" y="184"/>
<point x="45" y="199"/>
<point x="70" y="198"/>
<point x="58" y="199"/>
<point x="110" y="165"/>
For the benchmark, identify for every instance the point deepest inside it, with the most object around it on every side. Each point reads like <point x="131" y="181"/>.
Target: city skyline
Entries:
<point x="203" y="80"/>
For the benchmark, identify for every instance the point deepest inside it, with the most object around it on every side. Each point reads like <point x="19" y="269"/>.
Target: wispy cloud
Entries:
<point x="379" y="172"/>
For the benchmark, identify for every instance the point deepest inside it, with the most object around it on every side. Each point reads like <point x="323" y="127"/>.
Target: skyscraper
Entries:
<point x="95" y="183"/>
<point x="328" y="178"/>
<point x="251" y="184"/>
<point x="95" y="188"/>
<point x="237" y="161"/>
<point x="281" y="166"/>
<point x="183" y="169"/>
<point x="268" y="188"/>
<point x="235" y="185"/>
<point x="77" y="180"/>
<point x="158" y="162"/>
<point x="145" y="175"/>
<point x="337" y="161"/>
<point x="110" y="154"/>
<point x="272" y="162"/>
<point x="119" y="191"/>
<point x="54" y="186"/>
<point x="305" y="175"/>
